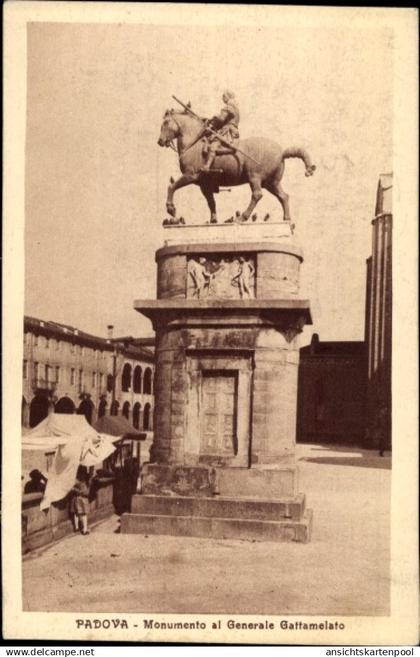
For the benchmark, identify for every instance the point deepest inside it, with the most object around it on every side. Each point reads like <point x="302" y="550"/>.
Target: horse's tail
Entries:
<point x="294" y="151"/>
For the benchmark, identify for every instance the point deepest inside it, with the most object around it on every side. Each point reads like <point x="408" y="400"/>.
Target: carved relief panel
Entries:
<point x="222" y="277"/>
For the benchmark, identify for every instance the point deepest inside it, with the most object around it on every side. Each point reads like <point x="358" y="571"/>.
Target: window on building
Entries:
<point x="137" y="379"/>
<point x="101" y="381"/>
<point x="72" y="376"/>
<point x="109" y="382"/>
<point x="47" y="373"/>
<point x="126" y="410"/>
<point x="36" y="370"/>
<point x="146" y="418"/>
<point x="93" y="379"/>
<point x="80" y="377"/>
<point x="72" y="347"/>
<point x="47" y="342"/>
<point x="25" y="369"/>
<point x="136" y="415"/>
<point x="35" y="340"/>
<point x="24" y="415"/>
<point x="126" y="378"/>
<point x="147" y="382"/>
<point x="57" y="345"/>
<point x="57" y="374"/>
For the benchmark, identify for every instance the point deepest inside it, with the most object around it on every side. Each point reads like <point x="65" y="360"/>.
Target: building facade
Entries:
<point x="378" y="326"/>
<point x="69" y="371"/>
<point x="344" y="390"/>
<point x="332" y="392"/>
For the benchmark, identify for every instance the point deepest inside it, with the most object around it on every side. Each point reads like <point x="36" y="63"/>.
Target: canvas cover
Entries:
<point x="118" y="425"/>
<point x="75" y="443"/>
<point x="57" y="429"/>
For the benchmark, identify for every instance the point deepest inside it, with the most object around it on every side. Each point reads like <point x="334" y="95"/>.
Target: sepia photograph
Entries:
<point x="210" y="232"/>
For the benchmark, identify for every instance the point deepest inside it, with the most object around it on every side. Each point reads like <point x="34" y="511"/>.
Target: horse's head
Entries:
<point x="169" y="129"/>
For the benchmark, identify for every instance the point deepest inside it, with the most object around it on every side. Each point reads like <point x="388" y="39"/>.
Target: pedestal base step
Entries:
<point x="285" y="530"/>
<point x="220" y="507"/>
<point x="268" y="483"/>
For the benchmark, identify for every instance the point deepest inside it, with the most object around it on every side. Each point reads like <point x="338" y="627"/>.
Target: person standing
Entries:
<point x="200" y="276"/>
<point x="243" y="278"/>
<point x="79" y="503"/>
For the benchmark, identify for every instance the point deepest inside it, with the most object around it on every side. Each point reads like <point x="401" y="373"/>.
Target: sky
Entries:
<point x="96" y="180"/>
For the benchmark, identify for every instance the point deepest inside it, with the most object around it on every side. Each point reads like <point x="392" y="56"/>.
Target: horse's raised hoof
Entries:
<point x="310" y="170"/>
<point x="171" y="210"/>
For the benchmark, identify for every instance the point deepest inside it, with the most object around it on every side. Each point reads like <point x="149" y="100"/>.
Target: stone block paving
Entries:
<point x="344" y="570"/>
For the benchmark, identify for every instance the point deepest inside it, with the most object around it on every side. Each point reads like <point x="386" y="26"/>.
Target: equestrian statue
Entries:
<point x="211" y="155"/>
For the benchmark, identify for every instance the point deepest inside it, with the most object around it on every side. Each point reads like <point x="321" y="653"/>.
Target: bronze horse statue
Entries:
<point x="260" y="164"/>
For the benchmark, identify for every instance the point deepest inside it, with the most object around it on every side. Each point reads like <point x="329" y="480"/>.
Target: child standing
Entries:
<point x="79" y="504"/>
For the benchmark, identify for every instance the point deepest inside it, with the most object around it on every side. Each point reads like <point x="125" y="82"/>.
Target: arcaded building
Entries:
<point x="378" y="327"/>
<point x="69" y="371"/>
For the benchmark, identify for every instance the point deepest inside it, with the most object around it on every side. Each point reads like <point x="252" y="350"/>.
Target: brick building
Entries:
<point x="344" y="390"/>
<point x="332" y="392"/>
<point x="70" y="371"/>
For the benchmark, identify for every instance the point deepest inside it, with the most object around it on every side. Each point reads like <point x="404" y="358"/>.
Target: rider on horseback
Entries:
<point x="226" y="123"/>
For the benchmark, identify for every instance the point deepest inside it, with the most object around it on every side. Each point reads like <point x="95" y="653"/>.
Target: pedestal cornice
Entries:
<point x="282" y="313"/>
<point x="185" y="248"/>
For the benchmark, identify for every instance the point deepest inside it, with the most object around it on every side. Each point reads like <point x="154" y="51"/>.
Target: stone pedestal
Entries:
<point x="226" y="318"/>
